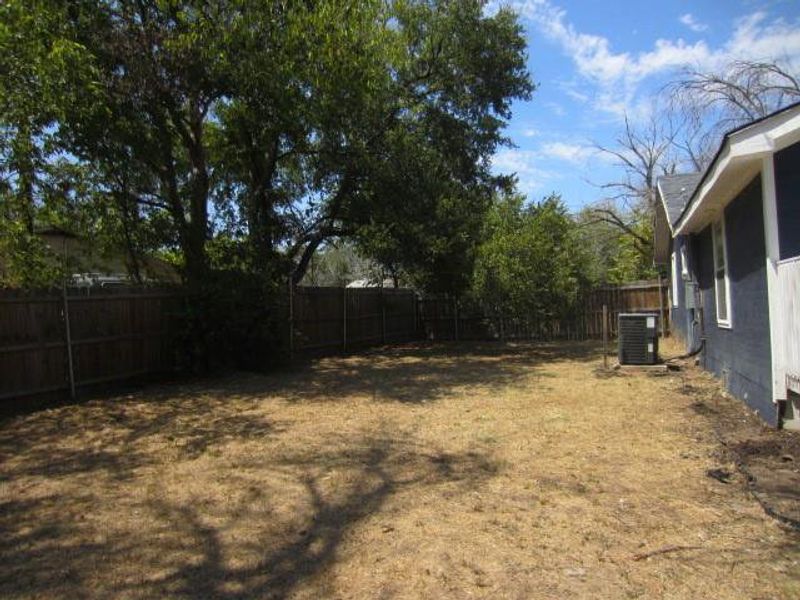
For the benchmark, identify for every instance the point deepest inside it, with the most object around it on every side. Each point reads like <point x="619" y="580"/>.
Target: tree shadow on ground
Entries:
<point x="378" y="468"/>
<point x="186" y="420"/>
<point x="108" y="435"/>
<point x="42" y="549"/>
<point x="417" y="373"/>
<point x="69" y="472"/>
<point x="188" y="550"/>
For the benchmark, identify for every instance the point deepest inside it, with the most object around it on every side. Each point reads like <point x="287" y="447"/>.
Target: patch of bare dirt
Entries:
<point x="765" y="460"/>
<point x="472" y="471"/>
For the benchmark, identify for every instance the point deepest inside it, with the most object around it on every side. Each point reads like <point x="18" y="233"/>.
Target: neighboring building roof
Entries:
<point x="737" y="161"/>
<point x="369" y="283"/>
<point x="675" y="192"/>
<point x="90" y="267"/>
<point x="54" y="230"/>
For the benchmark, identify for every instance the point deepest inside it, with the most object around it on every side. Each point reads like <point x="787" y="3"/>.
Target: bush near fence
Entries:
<point x="445" y="317"/>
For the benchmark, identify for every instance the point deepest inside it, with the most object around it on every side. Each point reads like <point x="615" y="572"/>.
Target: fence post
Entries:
<point x="383" y="316"/>
<point x="344" y="318"/>
<point x="415" y="325"/>
<point x="70" y="362"/>
<point x="605" y="336"/>
<point x="455" y="317"/>
<point x="291" y="318"/>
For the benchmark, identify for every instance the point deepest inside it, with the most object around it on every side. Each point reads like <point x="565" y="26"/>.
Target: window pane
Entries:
<point x="674" y="282"/>
<point x="722" y="300"/>
<point x="719" y="251"/>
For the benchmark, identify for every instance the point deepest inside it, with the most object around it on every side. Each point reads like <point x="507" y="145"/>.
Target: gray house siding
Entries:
<point x="739" y="355"/>
<point x="787" y="189"/>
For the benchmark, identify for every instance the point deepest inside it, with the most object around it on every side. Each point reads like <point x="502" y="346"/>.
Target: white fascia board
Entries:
<point x="747" y="146"/>
<point x="719" y="167"/>
<point x="774" y="133"/>
<point x="664" y="205"/>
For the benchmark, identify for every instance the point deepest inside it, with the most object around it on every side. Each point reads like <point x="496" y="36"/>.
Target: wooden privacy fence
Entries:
<point x="446" y="318"/>
<point x="101" y="335"/>
<point x="327" y="319"/>
<point x="643" y="296"/>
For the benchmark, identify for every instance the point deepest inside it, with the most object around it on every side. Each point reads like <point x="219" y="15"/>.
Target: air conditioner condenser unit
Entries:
<point x="638" y="338"/>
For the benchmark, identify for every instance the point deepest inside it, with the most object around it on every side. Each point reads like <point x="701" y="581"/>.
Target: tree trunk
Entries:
<point x="26" y="176"/>
<point x="300" y="269"/>
<point x="129" y="218"/>
<point x="263" y="224"/>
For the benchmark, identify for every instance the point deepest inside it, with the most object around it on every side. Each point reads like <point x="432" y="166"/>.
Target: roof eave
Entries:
<point x="738" y="159"/>
<point x="665" y="207"/>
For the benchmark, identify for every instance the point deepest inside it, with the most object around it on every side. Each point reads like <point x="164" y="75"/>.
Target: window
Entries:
<point x="674" y="280"/>
<point x="722" y="286"/>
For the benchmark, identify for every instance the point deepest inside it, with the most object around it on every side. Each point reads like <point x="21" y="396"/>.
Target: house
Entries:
<point x="731" y="238"/>
<point x="89" y="267"/>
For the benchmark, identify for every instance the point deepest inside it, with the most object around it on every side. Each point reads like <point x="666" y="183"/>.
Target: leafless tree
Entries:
<point x="644" y="153"/>
<point x="687" y="121"/>
<point x="711" y="103"/>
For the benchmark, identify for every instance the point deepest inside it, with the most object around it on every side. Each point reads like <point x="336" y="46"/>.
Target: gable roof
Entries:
<point x="675" y="192"/>
<point x="737" y="161"/>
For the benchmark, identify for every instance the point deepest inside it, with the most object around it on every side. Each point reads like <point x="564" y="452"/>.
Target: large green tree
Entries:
<point x="392" y="124"/>
<point x="531" y="261"/>
<point x="274" y="125"/>
<point x="237" y="137"/>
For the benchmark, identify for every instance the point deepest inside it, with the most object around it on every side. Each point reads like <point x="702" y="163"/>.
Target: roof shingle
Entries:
<point x="676" y="191"/>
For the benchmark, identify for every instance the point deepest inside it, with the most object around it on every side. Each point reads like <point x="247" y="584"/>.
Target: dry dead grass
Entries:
<point x="515" y="471"/>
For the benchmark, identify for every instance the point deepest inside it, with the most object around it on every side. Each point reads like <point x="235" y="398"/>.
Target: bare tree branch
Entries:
<point x="715" y="102"/>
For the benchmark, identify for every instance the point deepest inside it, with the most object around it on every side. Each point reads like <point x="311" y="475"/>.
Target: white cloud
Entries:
<point x="575" y="90"/>
<point x="530" y="132"/>
<point x="527" y="164"/>
<point x="593" y="55"/>
<point x="574" y="153"/>
<point x="756" y="39"/>
<point x="692" y="23"/>
<point x="617" y="76"/>
<point x="557" y="109"/>
<point x="524" y="163"/>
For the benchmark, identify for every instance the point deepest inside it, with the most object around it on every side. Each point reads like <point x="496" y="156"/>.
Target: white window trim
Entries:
<point x="674" y="280"/>
<point x="723" y="323"/>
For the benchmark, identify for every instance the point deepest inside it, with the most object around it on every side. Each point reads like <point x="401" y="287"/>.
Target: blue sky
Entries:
<point x="596" y="61"/>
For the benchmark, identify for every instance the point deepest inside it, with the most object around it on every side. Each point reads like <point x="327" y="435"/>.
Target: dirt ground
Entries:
<point x="483" y="471"/>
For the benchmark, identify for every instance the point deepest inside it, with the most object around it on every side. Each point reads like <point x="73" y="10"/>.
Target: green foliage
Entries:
<point x="627" y="263"/>
<point x="25" y="259"/>
<point x="340" y="264"/>
<point x="614" y="255"/>
<point x="238" y="319"/>
<point x="429" y="187"/>
<point x="531" y="261"/>
<point x="37" y="69"/>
